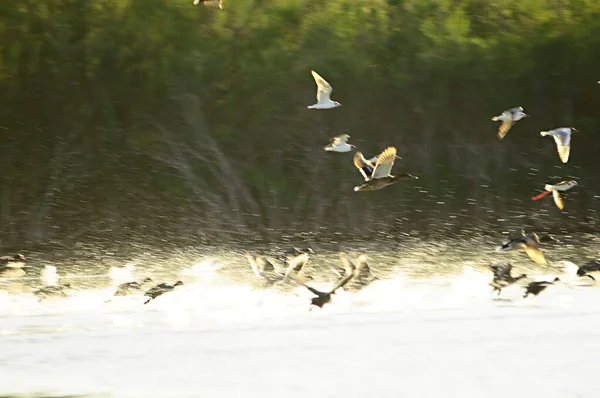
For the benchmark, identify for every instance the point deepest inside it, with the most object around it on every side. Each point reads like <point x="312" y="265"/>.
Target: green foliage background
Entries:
<point x="157" y="118"/>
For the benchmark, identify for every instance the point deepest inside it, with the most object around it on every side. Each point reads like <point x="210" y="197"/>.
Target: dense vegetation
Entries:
<point x="123" y="118"/>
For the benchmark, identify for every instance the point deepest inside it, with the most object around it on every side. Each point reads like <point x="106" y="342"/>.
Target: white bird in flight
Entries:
<point x="508" y="118"/>
<point x="562" y="137"/>
<point x="339" y="144"/>
<point x="324" y="91"/>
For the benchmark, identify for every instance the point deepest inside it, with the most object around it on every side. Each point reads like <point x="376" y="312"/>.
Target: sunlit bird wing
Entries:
<point x="559" y="199"/>
<point x="532" y="248"/>
<point x="296" y="263"/>
<point x="324" y="89"/>
<point x="384" y="164"/>
<point x="339" y="140"/>
<point x="363" y="165"/>
<point x="504" y="127"/>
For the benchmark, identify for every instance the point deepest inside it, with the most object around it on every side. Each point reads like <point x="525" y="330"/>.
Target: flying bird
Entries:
<point x="323" y="298"/>
<point x="125" y="288"/>
<point x="508" y="118"/>
<point x="503" y="277"/>
<point x="377" y="175"/>
<point x="159" y="290"/>
<point x="562" y="137"/>
<point x="531" y="244"/>
<point x="538" y="286"/>
<point x="339" y="144"/>
<point x="210" y="3"/>
<point x="591" y="270"/>
<point x="324" y="91"/>
<point x="557" y="192"/>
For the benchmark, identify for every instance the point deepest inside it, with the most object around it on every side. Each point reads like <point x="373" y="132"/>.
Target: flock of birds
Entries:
<point x="286" y="271"/>
<point x="354" y="275"/>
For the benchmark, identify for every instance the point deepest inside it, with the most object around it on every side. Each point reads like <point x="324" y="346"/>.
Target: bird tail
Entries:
<point x="541" y="195"/>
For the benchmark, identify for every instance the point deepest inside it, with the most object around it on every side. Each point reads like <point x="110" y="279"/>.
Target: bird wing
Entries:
<point x="342" y="282"/>
<point x="591" y="266"/>
<point x="296" y="263"/>
<point x="313" y="290"/>
<point x="363" y="165"/>
<point x="535" y="253"/>
<point x="254" y="265"/>
<point x="504" y="127"/>
<point x="559" y="199"/>
<point x="324" y="89"/>
<point x="348" y="265"/>
<point x="515" y="110"/>
<point x="340" y="139"/>
<point x="384" y="163"/>
<point x="562" y="137"/>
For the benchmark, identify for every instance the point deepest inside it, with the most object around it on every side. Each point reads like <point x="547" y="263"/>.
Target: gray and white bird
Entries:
<point x="210" y="3"/>
<point x="378" y="175"/>
<point x="557" y="192"/>
<point x="339" y="144"/>
<point x="508" y="118"/>
<point x="562" y="137"/>
<point x="324" y="91"/>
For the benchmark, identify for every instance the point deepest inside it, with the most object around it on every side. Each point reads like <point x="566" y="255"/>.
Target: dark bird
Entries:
<point x="536" y="287"/>
<point x="323" y="298"/>
<point x="53" y="291"/>
<point x="531" y="244"/>
<point x="13" y="266"/>
<point x="591" y="270"/>
<point x="377" y="176"/>
<point x="159" y="290"/>
<point x="502" y="276"/>
<point x="125" y="288"/>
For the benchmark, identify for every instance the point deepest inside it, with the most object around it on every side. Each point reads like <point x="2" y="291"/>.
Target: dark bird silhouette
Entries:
<point x="591" y="269"/>
<point x="125" y="288"/>
<point x="159" y="290"/>
<point x="536" y="287"/>
<point x="323" y="298"/>
<point x="503" y="277"/>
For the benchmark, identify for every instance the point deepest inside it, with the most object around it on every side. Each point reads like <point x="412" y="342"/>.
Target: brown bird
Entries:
<point x="531" y="244"/>
<point x="377" y="176"/>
